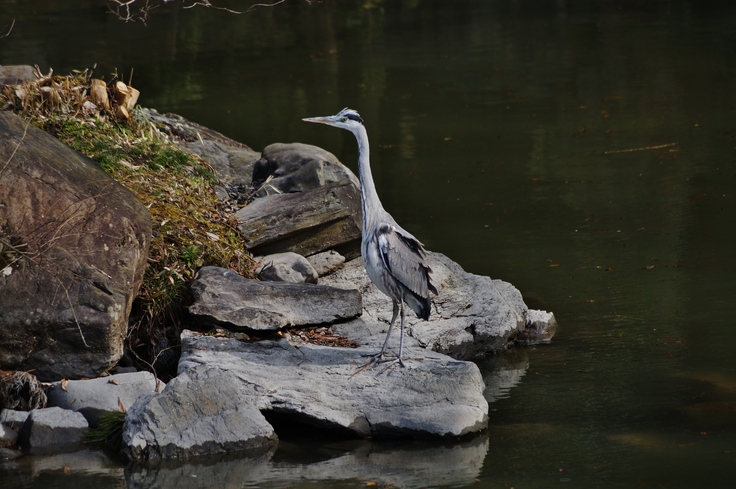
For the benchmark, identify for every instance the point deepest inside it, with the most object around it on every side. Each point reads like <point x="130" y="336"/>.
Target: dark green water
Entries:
<point x="584" y="151"/>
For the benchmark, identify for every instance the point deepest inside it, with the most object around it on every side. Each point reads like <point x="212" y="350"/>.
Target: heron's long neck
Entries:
<point x="368" y="196"/>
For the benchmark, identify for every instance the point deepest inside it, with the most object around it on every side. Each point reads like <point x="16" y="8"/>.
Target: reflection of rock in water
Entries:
<point x="401" y="464"/>
<point x="78" y="469"/>
<point x="503" y="371"/>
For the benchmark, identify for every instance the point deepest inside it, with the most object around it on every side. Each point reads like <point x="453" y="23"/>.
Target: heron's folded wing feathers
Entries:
<point x="405" y="259"/>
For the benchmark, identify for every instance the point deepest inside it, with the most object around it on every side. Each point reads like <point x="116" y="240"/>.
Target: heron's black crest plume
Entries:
<point x="351" y="114"/>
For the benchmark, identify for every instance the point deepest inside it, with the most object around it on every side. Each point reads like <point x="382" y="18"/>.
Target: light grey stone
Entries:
<point x="541" y="326"/>
<point x="52" y="430"/>
<point x="433" y="396"/>
<point x="222" y="297"/>
<point x="199" y="413"/>
<point x="326" y="262"/>
<point x="13" y="419"/>
<point x="286" y="267"/>
<point x="105" y="394"/>
<point x="471" y="316"/>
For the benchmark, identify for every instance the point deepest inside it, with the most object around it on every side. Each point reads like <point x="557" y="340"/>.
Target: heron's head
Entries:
<point x="345" y="119"/>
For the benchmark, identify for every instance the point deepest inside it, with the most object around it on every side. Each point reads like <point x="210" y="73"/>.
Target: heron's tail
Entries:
<point x="420" y="305"/>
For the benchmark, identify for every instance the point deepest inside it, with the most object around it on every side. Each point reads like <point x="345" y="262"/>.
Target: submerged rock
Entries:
<point x="222" y="297"/>
<point x="74" y="249"/>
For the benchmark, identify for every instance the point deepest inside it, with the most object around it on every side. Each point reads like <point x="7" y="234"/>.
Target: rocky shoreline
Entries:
<point x="249" y="361"/>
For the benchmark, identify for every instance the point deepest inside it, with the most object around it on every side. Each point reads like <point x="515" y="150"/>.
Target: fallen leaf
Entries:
<point x="121" y="408"/>
<point x="113" y="381"/>
<point x="63" y="385"/>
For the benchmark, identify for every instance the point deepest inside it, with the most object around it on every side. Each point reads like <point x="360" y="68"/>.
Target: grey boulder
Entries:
<point x="92" y="397"/>
<point x="296" y="167"/>
<point x="73" y="250"/>
<point x="52" y="430"/>
<point x="286" y="267"/>
<point x="198" y="413"/>
<point x="232" y="161"/>
<point x="222" y="297"/>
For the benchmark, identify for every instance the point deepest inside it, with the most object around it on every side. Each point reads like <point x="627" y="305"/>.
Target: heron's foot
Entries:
<point x="391" y="361"/>
<point x="379" y="357"/>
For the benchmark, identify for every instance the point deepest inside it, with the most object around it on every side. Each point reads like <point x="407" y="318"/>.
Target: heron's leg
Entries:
<point x="388" y="333"/>
<point x="401" y="338"/>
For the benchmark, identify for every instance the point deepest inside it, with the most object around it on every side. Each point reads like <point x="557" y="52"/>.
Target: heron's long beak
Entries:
<point x="320" y="120"/>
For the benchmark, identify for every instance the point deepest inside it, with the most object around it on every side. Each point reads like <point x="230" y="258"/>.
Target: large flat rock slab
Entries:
<point x="222" y="297"/>
<point x="433" y="396"/>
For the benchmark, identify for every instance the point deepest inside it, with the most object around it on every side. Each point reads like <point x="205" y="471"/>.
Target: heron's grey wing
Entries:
<point x="405" y="259"/>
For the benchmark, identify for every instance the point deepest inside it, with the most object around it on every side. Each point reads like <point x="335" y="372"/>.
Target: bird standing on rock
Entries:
<point x="394" y="259"/>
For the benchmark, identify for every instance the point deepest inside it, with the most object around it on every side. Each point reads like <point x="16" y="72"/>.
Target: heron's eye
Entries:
<point x="344" y="119"/>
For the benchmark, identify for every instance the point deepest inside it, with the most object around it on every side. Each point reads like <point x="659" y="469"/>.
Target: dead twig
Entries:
<point x="631" y="150"/>
<point x="10" y="29"/>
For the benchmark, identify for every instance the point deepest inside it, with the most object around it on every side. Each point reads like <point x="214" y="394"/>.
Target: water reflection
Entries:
<point x="502" y="372"/>
<point x="353" y="463"/>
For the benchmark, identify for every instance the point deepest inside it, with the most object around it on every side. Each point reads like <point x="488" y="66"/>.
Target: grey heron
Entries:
<point x="395" y="260"/>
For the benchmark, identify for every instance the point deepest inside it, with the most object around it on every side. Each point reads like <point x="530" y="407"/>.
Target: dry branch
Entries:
<point x="631" y="150"/>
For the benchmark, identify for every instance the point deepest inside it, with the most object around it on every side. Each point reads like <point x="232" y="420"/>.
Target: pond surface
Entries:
<point x="584" y="151"/>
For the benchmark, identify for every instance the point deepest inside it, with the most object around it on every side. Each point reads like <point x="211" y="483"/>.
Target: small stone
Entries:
<point x="13" y="419"/>
<point x="326" y="262"/>
<point x="286" y="267"/>
<point x="105" y="394"/>
<point x="52" y="429"/>
<point x="541" y="326"/>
